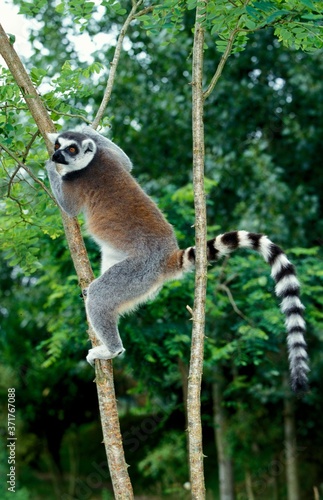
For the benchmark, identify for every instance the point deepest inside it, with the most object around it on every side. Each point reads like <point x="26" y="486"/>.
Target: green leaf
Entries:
<point x="150" y="358"/>
<point x="309" y="4"/>
<point x="276" y="15"/>
<point x="252" y="12"/>
<point x="264" y="6"/>
<point x="60" y="8"/>
<point x="251" y="25"/>
<point x="12" y="38"/>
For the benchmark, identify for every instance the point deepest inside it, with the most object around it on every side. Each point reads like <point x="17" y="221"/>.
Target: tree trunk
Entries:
<point x="73" y="456"/>
<point x="197" y="347"/>
<point x="55" y="473"/>
<point x="224" y="459"/>
<point x="248" y="481"/>
<point x="104" y="372"/>
<point x="290" y="448"/>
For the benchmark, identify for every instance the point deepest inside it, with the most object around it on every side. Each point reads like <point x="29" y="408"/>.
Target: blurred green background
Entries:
<point x="264" y="130"/>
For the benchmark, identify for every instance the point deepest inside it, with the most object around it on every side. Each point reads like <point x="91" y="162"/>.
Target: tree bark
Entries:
<point x="104" y="371"/>
<point x="290" y="446"/>
<point x="55" y="473"/>
<point x="114" y="65"/>
<point x="183" y="370"/>
<point x="224" y="459"/>
<point x="249" y="490"/>
<point x="197" y="348"/>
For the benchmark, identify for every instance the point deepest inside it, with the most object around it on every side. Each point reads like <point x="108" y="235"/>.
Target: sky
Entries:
<point x="16" y="24"/>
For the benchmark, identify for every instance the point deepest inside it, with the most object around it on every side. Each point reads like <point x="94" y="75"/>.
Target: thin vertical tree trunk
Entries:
<point x="197" y="348"/>
<point x="316" y="493"/>
<point x="290" y="447"/>
<point x="224" y="459"/>
<point x="249" y="489"/>
<point x="104" y="372"/>
<point x="73" y="462"/>
<point x="183" y="370"/>
<point x="55" y="473"/>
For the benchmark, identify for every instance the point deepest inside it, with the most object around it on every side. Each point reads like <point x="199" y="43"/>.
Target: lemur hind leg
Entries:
<point x="108" y="333"/>
<point x="118" y="290"/>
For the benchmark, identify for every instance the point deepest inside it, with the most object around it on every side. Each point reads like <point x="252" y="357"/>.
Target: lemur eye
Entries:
<point x="56" y="146"/>
<point x="72" y="149"/>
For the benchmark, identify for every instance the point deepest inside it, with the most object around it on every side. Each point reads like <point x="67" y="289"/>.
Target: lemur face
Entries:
<point x="74" y="151"/>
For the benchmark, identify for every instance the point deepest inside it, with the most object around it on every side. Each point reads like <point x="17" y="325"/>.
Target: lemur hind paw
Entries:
<point x="102" y="352"/>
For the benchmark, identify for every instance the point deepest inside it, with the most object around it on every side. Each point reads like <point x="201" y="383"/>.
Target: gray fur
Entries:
<point x="103" y="142"/>
<point x="68" y="205"/>
<point x="123" y="287"/>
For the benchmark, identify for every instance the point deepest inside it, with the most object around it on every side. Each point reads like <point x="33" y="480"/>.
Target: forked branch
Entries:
<point x="24" y="167"/>
<point x="114" y="64"/>
<point x="225" y="56"/>
<point x="104" y="373"/>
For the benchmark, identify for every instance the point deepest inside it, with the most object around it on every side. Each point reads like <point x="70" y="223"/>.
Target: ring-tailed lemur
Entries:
<point x="139" y="248"/>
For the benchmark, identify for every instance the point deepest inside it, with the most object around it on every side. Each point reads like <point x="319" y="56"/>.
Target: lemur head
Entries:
<point x="73" y="150"/>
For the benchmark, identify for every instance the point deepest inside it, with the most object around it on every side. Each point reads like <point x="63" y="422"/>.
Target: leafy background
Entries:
<point x="263" y="125"/>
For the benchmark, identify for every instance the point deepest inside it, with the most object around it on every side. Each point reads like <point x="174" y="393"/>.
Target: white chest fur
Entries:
<point x="109" y="255"/>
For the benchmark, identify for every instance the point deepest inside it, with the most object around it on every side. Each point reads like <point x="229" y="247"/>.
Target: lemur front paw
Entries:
<point x="83" y="295"/>
<point x="102" y="352"/>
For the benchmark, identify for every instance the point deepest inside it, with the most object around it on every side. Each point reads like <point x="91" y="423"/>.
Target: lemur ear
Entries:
<point x="52" y="137"/>
<point x="88" y="145"/>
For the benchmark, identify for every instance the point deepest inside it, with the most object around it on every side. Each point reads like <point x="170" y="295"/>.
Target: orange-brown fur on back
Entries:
<point x="116" y="207"/>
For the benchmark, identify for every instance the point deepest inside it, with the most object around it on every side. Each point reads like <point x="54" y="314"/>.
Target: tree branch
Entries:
<point x="226" y="289"/>
<point x="70" y="115"/>
<point x="147" y="10"/>
<point x="104" y="372"/>
<point x="23" y="166"/>
<point x="197" y="348"/>
<point x="224" y="57"/>
<point x="28" y="147"/>
<point x="33" y="101"/>
<point x="114" y="65"/>
<point x="223" y="60"/>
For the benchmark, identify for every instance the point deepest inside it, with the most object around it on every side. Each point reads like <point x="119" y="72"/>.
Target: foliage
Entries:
<point x="167" y="464"/>
<point x="263" y="140"/>
<point x="248" y="313"/>
<point x="297" y="23"/>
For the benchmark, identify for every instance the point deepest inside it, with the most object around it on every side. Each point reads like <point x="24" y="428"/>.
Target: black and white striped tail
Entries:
<point x="287" y="288"/>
